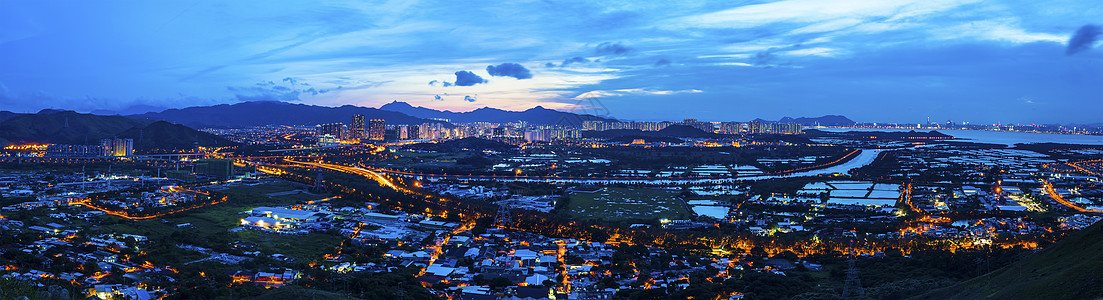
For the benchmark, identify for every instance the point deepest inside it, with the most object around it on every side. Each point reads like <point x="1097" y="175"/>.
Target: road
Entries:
<point x="1061" y="199"/>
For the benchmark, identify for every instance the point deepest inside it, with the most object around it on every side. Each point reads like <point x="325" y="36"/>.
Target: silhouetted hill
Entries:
<point x="471" y="143"/>
<point x="5" y="115"/>
<point x="684" y="131"/>
<point x="536" y="115"/>
<point x="168" y="136"/>
<point x="65" y="127"/>
<point x="672" y="131"/>
<point x="828" y="120"/>
<point x="1068" y="269"/>
<point x="258" y="113"/>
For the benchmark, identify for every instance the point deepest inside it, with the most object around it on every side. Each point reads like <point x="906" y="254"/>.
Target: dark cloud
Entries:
<point x="576" y="59"/>
<point x="469" y="98"/>
<point x="509" y="70"/>
<point x="446" y="84"/>
<point x="466" y="78"/>
<point x="662" y="62"/>
<point x="438" y="98"/>
<point x="288" y="89"/>
<point x="1083" y="39"/>
<point x="31" y="102"/>
<point x="608" y="48"/>
<point x="549" y="65"/>
<point x="434" y="83"/>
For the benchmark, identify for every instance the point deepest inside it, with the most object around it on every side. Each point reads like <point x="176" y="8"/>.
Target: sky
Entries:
<point x="871" y="60"/>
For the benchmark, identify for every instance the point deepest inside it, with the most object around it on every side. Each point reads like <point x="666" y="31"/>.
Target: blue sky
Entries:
<point x="874" y="60"/>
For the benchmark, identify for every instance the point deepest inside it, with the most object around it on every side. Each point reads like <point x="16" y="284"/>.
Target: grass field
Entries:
<point x="218" y="219"/>
<point x="617" y="204"/>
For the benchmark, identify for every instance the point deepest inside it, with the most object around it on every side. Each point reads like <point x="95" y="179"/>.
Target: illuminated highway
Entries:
<point x="1061" y="199"/>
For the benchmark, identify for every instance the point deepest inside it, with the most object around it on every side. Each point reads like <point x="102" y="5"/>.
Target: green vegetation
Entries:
<point x="298" y="292"/>
<point x="210" y="225"/>
<point x="620" y="204"/>
<point x="1069" y="269"/>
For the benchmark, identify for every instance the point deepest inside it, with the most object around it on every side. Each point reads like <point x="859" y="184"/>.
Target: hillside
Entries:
<point x="68" y="127"/>
<point x="258" y="113"/>
<point x="64" y="127"/>
<point x="168" y="136"/>
<point x="536" y="115"/>
<point x="5" y="115"/>
<point x="1069" y="269"/>
<point x="471" y="143"/>
<point x="672" y="131"/>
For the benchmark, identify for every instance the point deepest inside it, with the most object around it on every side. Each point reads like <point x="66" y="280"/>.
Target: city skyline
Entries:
<point x="871" y="61"/>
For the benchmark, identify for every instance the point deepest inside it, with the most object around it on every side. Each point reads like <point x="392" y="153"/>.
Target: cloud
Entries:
<point x="288" y="89"/>
<point x="438" y="98"/>
<point x="662" y="62"/>
<point x="639" y="92"/>
<point x="35" y="101"/>
<point x="1083" y="39"/>
<point x="549" y="65"/>
<point x="608" y="48"/>
<point x="434" y="83"/>
<point x="509" y="70"/>
<point x="469" y="98"/>
<point x="446" y="84"/>
<point x="466" y="78"/>
<point x="576" y="59"/>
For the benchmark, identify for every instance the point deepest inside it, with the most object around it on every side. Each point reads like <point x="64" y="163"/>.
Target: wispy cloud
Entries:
<point x="638" y="92"/>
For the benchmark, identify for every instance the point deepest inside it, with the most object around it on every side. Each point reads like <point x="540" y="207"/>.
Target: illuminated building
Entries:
<point x="644" y="126"/>
<point x="704" y="126"/>
<point x="776" y="128"/>
<point x="376" y="129"/>
<point x="117" y="147"/>
<point x="732" y="127"/>
<point x="754" y="127"/>
<point x="402" y="132"/>
<point x="536" y="135"/>
<point x="356" y="131"/>
<point x="56" y="150"/>
<point x="336" y="130"/>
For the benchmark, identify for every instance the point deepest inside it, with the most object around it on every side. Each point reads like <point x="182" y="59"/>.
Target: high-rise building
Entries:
<point x="63" y="150"/>
<point x="403" y="132"/>
<point x="376" y="129"/>
<point x="117" y="147"/>
<point x="335" y="130"/>
<point x="732" y="127"/>
<point x="356" y="131"/>
<point x="413" y="132"/>
<point x="217" y="168"/>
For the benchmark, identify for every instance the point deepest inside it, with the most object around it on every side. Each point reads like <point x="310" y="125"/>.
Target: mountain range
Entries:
<point x="536" y="115"/>
<point x="827" y="120"/>
<point x="257" y="113"/>
<point x="68" y="127"/>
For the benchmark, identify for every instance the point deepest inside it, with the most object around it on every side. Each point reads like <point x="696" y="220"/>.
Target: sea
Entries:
<point x="997" y="137"/>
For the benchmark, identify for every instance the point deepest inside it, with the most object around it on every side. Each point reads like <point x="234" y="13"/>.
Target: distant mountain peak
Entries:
<point x="535" y="115"/>
<point x="825" y="120"/>
<point x="50" y="111"/>
<point x="256" y="113"/>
